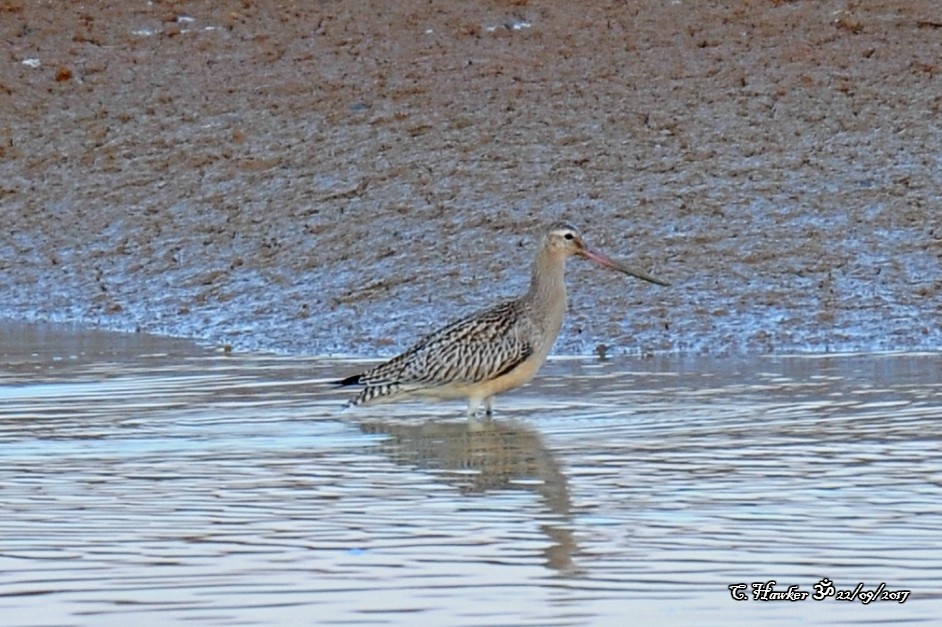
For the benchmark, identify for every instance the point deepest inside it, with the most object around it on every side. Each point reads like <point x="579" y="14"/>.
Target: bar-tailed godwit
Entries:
<point x="494" y="350"/>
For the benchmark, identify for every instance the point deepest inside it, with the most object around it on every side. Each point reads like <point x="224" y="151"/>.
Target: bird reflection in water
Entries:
<point x="479" y="456"/>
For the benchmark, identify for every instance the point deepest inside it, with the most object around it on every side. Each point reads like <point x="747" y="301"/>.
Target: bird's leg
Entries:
<point x="489" y="406"/>
<point x="473" y="404"/>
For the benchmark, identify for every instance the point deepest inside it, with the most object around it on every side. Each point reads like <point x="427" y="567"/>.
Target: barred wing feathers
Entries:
<point x="478" y="348"/>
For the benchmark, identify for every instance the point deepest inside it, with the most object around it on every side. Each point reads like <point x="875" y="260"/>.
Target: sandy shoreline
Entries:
<point x="342" y="177"/>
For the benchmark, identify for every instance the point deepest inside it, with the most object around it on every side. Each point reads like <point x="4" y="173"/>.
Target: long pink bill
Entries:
<point x="602" y="260"/>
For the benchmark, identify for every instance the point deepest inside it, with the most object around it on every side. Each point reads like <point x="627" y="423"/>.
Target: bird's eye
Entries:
<point x="568" y="235"/>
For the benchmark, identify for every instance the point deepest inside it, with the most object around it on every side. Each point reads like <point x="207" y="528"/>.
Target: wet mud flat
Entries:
<point x="151" y="481"/>
<point x="336" y="177"/>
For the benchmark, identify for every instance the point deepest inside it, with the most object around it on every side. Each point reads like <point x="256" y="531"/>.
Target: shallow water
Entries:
<point x="147" y="482"/>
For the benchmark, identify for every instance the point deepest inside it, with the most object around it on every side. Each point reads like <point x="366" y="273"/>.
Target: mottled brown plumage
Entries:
<point x="493" y="350"/>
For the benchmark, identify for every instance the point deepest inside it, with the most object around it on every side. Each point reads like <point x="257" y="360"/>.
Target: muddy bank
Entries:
<point x="339" y="177"/>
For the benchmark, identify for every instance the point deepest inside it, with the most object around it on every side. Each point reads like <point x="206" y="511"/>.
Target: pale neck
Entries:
<point x="547" y="283"/>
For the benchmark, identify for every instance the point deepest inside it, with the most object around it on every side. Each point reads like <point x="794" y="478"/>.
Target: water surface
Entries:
<point x="145" y="482"/>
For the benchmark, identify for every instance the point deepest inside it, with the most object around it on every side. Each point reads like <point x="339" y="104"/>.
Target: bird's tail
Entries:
<point x="354" y="380"/>
<point x="372" y="393"/>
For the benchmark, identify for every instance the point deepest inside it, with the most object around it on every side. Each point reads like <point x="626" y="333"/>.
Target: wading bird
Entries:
<point x="491" y="351"/>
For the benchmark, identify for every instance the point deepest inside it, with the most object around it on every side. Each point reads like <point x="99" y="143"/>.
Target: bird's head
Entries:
<point x="565" y="239"/>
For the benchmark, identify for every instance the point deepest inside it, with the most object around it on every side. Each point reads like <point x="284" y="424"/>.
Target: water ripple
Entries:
<point x="190" y="487"/>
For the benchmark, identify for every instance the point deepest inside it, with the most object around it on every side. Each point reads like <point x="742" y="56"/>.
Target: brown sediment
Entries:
<point x="343" y="176"/>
